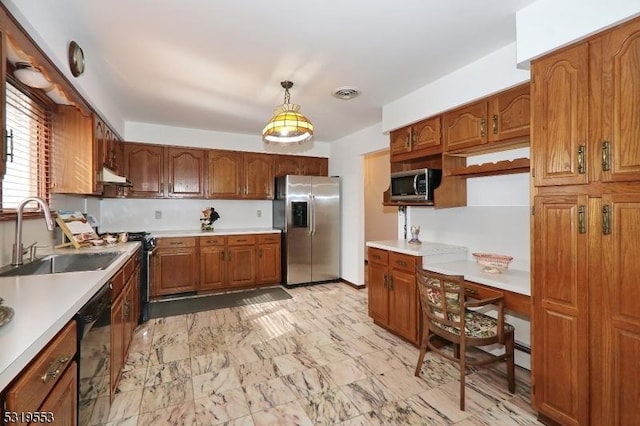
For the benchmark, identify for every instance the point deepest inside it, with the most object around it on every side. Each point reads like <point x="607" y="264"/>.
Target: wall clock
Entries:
<point x="76" y="59"/>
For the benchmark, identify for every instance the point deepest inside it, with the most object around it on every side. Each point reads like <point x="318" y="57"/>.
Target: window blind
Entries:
<point x="29" y="133"/>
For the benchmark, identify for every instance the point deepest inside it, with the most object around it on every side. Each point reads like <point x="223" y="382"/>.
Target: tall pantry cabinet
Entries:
<point x="585" y="144"/>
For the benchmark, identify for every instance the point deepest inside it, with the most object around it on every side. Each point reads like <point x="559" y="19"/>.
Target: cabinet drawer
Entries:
<point x="378" y="256"/>
<point x="268" y="238"/>
<point x="402" y="262"/>
<point x="36" y="381"/>
<point x="176" y="242"/>
<point x="241" y="240"/>
<point x="211" y="241"/>
<point x="481" y="292"/>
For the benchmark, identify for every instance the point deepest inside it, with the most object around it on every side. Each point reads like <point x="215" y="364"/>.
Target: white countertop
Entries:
<point x="227" y="231"/>
<point x="514" y="280"/>
<point x="43" y="304"/>
<point x="453" y="260"/>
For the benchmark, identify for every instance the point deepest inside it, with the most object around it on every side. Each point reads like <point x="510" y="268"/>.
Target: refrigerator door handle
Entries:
<point x="313" y="214"/>
<point x="310" y="215"/>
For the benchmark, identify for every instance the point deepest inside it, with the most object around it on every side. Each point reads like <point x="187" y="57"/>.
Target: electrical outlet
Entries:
<point x="259" y="213"/>
<point x="158" y="214"/>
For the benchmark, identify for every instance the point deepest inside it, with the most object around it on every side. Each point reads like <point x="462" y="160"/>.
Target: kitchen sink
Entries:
<point x="59" y="263"/>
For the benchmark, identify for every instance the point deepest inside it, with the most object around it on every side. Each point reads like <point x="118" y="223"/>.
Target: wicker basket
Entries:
<point x="493" y="260"/>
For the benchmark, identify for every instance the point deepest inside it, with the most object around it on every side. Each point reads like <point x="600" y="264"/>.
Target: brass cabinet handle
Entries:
<point x="407" y="140"/>
<point x="384" y="284"/>
<point x="581" y="154"/>
<point x="391" y="282"/>
<point x="582" y="227"/>
<point x="375" y="256"/>
<point x="241" y="241"/>
<point x="472" y="291"/>
<point x="175" y="243"/>
<point x="494" y="124"/>
<point x="401" y="262"/>
<point x="483" y="127"/>
<point x="222" y="255"/>
<point x="606" y="156"/>
<point x="54" y="369"/>
<point x="606" y="220"/>
<point x="259" y="252"/>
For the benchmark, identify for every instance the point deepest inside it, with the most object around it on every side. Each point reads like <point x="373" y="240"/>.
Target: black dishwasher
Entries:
<point x="94" y="350"/>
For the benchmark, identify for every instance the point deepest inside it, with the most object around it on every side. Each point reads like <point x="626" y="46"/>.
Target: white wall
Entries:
<point x="547" y="25"/>
<point x="490" y="74"/>
<point x="347" y="162"/>
<point x="381" y="222"/>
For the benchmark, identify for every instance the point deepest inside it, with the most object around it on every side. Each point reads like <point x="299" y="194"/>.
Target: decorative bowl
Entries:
<point x="97" y="242"/>
<point x="110" y="239"/>
<point x="491" y="260"/>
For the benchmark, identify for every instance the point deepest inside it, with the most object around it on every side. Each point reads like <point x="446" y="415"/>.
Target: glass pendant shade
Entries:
<point x="287" y="126"/>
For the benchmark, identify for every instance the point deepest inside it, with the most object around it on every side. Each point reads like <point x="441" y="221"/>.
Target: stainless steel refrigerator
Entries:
<point x="307" y="211"/>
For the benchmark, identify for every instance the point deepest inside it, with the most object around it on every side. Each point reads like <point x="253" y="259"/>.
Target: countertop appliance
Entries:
<point x="94" y="351"/>
<point x="415" y="185"/>
<point x="146" y="271"/>
<point x="307" y="211"/>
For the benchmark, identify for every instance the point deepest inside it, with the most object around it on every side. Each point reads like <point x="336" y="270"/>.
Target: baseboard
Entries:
<point x="350" y="284"/>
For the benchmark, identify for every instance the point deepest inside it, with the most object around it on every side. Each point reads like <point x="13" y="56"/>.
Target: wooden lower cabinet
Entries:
<point x="49" y="383"/>
<point x="236" y="261"/>
<point x="117" y="342"/>
<point x="268" y="266"/>
<point x="393" y="294"/>
<point x="177" y="260"/>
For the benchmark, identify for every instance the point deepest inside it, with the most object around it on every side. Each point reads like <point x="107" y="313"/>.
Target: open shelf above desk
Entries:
<point x="519" y="165"/>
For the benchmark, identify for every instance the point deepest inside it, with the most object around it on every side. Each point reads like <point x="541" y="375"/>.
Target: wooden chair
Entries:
<point x="442" y="298"/>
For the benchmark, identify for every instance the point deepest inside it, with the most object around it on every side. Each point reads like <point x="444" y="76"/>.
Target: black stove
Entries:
<point x="148" y="241"/>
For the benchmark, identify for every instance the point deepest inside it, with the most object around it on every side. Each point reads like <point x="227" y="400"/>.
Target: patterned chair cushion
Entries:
<point x="477" y="325"/>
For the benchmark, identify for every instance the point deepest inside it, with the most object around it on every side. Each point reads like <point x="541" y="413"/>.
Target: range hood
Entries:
<point x="109" y="177"/>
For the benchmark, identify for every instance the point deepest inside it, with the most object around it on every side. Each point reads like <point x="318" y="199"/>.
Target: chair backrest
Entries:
<point x="441" y="298"/>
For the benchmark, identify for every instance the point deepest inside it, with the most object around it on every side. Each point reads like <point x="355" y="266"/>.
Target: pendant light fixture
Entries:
<point x="287" y="126"/>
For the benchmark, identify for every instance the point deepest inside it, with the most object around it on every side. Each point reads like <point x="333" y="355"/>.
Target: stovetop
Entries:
<point x="148" y="241"/>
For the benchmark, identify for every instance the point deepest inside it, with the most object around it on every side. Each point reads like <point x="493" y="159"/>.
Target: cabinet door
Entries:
<point x="616" y="316"/>
<point x="225" y="174"/>
<point x="426" y="137"/>
<point x="212" y="268"/>
<point x="117" y="340"/>
<point x="144" y="166"/>
<point x="241" y="265"/>
<point x="286" y="165"/>
<point x="400" y="142"/>
<point x="314" y="166"/>
<point x="465" y="127"/>
<point x="268" y="268"/>
<point x="510" y="114"/>
<point x="3" y="120"/>
<point x="127" y="316"/>
<point x="177" y="271"/>
<point x="403" y="305"/>
<point x="560" y="312"/>
<point x="62" y="401"/>
<point x="620" y="100"/>
<point x="258" y="176"/>
<point x="73" y="153"/>
<point x="185" y="169"/>
<point x="560" y="117"/>
<point x="378" y="293"/>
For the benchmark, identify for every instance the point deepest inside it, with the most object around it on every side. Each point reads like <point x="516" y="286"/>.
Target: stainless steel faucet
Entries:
<point x="18" y="251"/>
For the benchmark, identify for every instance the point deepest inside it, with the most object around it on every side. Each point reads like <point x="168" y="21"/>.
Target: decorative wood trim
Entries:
<point x="519" y="165"/>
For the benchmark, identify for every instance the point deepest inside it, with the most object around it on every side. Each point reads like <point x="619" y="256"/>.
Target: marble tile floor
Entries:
<point x="316" y="359"/>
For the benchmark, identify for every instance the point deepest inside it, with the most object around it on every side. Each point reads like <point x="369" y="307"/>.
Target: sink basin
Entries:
<point x="58" y="263"/>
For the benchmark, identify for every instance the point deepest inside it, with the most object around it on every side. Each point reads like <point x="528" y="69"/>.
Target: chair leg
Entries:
<point x="511" y="374"/>
<point x="456" y="350"/>
<point x="423" y="350"/>
<point x="463" y="371"/>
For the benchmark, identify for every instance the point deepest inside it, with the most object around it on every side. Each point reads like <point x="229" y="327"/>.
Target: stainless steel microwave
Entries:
<point x="415" y="185"/>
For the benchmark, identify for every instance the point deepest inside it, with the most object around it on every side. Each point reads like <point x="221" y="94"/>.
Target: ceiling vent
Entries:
<point x="346" y="92"/>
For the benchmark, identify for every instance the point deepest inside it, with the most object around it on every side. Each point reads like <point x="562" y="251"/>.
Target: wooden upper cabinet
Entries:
<point x="3" y="119"/>
<point x="314" y="166"/>
<point x="418" y="140"/>
<point x="510" y="114"/>
<point x="73" y="153"/>
<point x="618" y="151"/>
<point x="298" y="165"/>
<point x="258" y="178"/>
<point x="465" y="127"/>
<point x="144" y="166"/>
<point x="560" y="114"/>
<point x="225" y="174"/>
<point x="185" y="168"/>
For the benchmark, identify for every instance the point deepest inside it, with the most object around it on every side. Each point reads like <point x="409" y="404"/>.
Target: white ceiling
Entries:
<point x="218" y="64"/>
